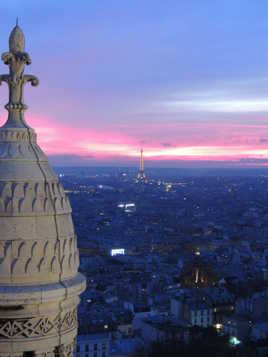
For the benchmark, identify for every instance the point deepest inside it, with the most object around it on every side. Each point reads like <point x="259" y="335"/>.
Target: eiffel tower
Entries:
<point x="141" y="177"/>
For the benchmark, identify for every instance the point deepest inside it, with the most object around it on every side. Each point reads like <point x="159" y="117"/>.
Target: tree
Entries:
<point x="203" y="343"/>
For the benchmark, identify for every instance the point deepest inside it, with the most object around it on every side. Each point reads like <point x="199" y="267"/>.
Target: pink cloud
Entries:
<point x="56" y="138"/>
<point x="169" y="141"/>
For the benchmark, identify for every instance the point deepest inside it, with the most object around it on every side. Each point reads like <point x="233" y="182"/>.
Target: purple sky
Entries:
<point x="187" y="80"/>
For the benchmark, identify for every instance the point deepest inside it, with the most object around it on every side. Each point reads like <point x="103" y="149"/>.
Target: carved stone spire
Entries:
<point x="16" y="39"/>
<point x="16" y="59"/>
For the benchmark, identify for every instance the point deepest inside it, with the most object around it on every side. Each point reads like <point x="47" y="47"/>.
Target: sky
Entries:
<point x="186" y="80"/>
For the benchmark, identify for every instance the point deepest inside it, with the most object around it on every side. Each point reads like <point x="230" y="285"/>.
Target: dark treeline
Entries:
<point x="202" y="343"/>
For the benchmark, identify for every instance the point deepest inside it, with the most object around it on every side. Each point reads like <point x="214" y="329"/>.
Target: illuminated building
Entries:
<point x="95" y="345"/>
<point x="197" y="312"/>
<point x="198" y="275"/>
<point x="141" y="177"/>
<point x="118" y="251"/>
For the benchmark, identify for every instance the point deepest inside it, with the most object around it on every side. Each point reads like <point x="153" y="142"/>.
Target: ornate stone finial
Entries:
<point x="16" y="59"/>
<point x="16" y="39"/>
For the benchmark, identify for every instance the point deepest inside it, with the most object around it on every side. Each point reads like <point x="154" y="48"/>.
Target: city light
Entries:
<point x="128" y="207"/>
<point x="118" y="251"/>
<point x="234" y="341"/>
<point x="218" y="326"/>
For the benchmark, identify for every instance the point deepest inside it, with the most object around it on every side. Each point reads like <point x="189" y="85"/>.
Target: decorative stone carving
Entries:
<point x="37" y="326"/>
<point x="17" y="136"/>
<point x="16" y="59"/>
<point x="65" y="350"/>
<point x="44" y="354"/>
<point x="32" y="197"/>
<point x="34" y="257"/>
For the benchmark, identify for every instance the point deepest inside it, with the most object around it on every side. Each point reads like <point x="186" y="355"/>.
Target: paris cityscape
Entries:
<point x="169" y="252"/>
<point x="134" y="178"/>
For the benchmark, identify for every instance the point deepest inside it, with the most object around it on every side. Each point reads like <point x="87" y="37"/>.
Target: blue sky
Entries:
<point x="187" y="80"/>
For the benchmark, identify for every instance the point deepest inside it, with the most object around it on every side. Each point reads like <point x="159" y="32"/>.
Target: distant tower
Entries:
<point x="39" y="280"/>
<point x="141" y="177"/>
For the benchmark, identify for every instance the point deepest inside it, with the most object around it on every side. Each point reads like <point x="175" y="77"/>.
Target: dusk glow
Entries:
<point x="181" y="82"/>
<point x="91" y="145"/>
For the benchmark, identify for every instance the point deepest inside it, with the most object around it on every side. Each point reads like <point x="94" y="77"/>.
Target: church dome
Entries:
<point x="37" y="243"/>
<point x="39" y="259"/>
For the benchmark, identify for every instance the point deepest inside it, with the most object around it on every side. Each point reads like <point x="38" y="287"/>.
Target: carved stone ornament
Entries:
<point x="37" y="326"/>
<point x="65" y="350"/>
<point x="16" y="59"/>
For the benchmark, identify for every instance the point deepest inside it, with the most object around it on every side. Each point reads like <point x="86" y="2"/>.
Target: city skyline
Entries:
<point x="187" y="81"/>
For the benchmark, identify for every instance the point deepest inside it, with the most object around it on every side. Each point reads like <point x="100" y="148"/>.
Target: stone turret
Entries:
<point x="39" y="279"/>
